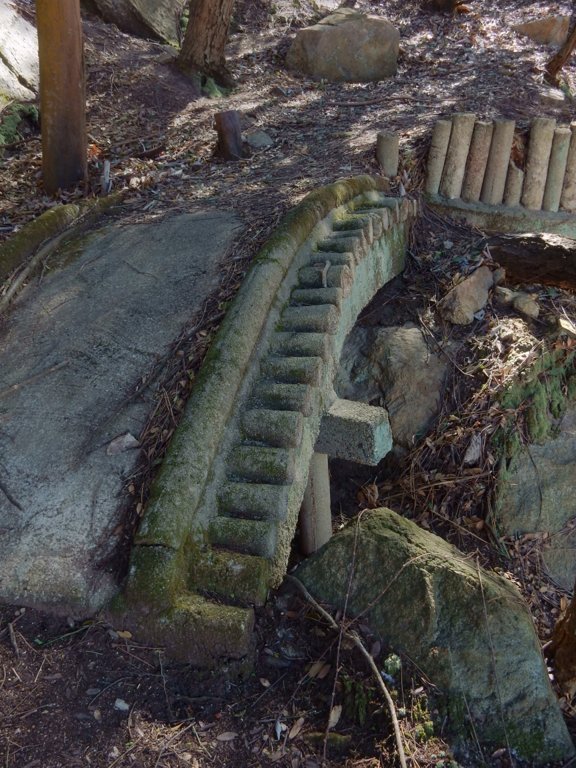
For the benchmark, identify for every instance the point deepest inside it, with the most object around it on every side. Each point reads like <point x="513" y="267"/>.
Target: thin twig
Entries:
<point x="355" y="638"/>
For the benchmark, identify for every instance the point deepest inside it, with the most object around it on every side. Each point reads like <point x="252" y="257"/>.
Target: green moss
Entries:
<point x="12" y="122"/>
<point x="537" y="399"/>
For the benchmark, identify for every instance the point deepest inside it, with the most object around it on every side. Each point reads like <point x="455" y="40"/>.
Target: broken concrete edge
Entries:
<point x="502" y="219"/>
<point x="69" y="219"/>
<point x="158" y="567"/>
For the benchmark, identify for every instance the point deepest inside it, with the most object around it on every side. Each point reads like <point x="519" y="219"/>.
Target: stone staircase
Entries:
<point x="217" y="532"/>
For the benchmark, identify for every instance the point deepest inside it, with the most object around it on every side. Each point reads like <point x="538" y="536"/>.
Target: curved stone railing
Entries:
<point x="217" y="531"/>
<point x="472" y="174"/>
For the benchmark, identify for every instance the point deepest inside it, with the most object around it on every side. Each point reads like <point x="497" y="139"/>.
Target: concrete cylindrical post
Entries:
<point x="388" y="152"/>
<point x="455" y="163"/>
<point x="556" y="169"/>
<point x="477" y="160"/>
<point x="541" y="137"/>
<point x="315" y="512"/>
<point x="568" y="199"/>
<point x="513" y="188"/>
<point x="498" y="160"/>
<point x="437" y="155"/>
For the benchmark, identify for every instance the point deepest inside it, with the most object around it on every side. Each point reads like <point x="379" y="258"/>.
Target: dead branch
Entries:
<point x="355" y="638"/>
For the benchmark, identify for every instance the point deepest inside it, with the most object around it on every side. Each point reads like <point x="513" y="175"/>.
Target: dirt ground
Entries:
<point x="80" y="693"/>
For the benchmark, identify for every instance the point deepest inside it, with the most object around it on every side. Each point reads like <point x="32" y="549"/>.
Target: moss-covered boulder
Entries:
<point x="466" y="629"/>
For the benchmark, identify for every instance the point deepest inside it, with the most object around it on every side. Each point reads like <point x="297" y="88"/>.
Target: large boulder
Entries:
<point x="549" y="30"/>
<point x="536" y="495"/>
<point x="19" y="70"/>
<point x="467" y="629"/>
<point x="393" y="367"/>
<point x="146" y="18"/>
<point x="346" y="46"/>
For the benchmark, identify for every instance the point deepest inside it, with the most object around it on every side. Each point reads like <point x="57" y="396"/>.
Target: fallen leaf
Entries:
<point x="124" y="634"/>
<point x="296" y="728"/>
<point x="335" y="714"/>
<point x="125" y="442"/>
<point x="315" y="668"/>
<point x="227" y="736"/>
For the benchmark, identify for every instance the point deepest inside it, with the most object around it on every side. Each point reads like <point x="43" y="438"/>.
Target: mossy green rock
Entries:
<point x="466" y="629"/>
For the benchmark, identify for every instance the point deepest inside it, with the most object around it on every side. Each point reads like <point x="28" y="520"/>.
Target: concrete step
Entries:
<point x="338" y="276"/>
<point x="250" y="537"/>
<point x="310" y="296"/>
<point x="231" y="577"/>
<point x="284" y="397"/>
<point x="261" y="464"/>
<point x="292" y="370"/>
<point x="300" y="345"/>
<point x="256" y="501"/>
<point x="277" y="428"/>
<point x="320" y="317"/>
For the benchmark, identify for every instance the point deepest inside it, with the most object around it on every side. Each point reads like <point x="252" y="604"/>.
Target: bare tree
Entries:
<point x="62" y="93"/>
<point x="205" y="39"/>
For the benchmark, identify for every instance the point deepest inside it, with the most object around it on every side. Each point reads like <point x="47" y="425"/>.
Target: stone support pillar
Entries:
<point x="498" y="160"/>
<point x="513" y="188"/>
<point x="388" y="153"/>
<point x="541" y="137"/>
<point x="455" y="164"/>
<point x="315" y="513"/>
<point x="437" y="155"/>
<point x="556" y="169"/>
<point x="477" y="161"/>
<point x="568" y="199"/>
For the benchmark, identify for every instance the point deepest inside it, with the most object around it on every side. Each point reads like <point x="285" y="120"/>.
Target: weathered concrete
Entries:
<point x="497" y="165"/>
<point x="222" y="504"/>
<point x="72" y="349"/>
<point x="355" y="431"/>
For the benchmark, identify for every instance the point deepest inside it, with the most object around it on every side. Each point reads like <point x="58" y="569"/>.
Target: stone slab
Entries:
<point x="19" y="68"/>
<point x="355" y="431"/>
<point x="73" y="347"/>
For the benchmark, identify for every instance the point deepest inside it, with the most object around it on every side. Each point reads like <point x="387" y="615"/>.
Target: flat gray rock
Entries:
<point x="18" y="55"/>
<point x="72" y="349"/>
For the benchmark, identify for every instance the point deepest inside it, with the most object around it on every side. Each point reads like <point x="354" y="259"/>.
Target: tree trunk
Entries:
<point x="557" y="61"/>
<point x="62" y="93"/>
<point x="205" y="39"/>
<point x="563" y="649"/>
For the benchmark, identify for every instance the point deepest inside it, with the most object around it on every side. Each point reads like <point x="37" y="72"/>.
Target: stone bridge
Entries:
<point x="251" y="450"/>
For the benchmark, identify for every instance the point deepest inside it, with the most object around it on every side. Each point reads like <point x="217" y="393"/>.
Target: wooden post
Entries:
<point x="62" y="93"/>
<point x="229" y="135"/>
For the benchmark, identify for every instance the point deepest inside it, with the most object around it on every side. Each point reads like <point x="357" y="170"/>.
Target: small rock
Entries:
<point x="567" y="327"/>
<point x="121" y="705"/>
<point x="550" y="30"/>
<point x="468" y="297"/>
<point x="526" y="305"/>
<point x="504" y="296"/>
<point x="499" y="276"/>
<point x="259" y="140"/>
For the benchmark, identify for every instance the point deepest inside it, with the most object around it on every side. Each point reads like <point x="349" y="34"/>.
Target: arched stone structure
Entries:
<point x="216" y="533"/>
